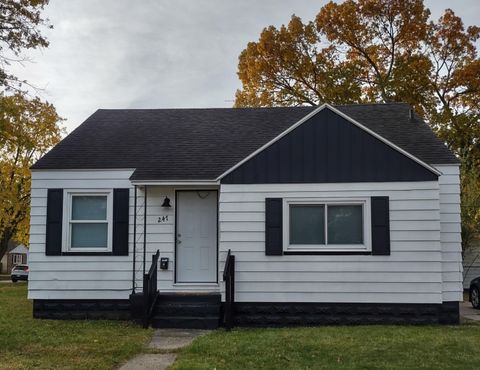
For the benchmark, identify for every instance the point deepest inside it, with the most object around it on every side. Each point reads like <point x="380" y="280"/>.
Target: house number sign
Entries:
<point x="162" y="219"/>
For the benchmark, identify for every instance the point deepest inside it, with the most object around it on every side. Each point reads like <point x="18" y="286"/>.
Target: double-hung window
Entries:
<point x="89" y="222"/>
<point x="328" y="225"/>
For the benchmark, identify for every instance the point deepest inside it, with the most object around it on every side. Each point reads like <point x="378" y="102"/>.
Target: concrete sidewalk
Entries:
<point x="165" y="341"/>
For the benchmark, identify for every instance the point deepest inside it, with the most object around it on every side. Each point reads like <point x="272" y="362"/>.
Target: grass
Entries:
<point x="337" y="347"/>
<point x="27" y="343"/>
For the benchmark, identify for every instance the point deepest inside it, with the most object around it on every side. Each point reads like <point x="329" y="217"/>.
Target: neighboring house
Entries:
<point x="345" y="214"/>
<point x="17" y="256"/>
<point x="471" y="264"/>
<point x="10" y="259"/>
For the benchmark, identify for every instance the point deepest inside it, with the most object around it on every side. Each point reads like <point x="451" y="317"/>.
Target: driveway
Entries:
<point x="468" y="312"/>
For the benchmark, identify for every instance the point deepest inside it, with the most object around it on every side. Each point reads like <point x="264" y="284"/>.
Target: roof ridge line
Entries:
<point x="252" y="108"/>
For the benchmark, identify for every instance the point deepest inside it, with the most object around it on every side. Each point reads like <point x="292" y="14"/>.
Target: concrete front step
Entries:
<point x="186" y="322"/>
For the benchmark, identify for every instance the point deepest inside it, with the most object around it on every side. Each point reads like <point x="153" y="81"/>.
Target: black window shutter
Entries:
<point x="273" y="227"/>
<point x="120" y="222"/>
<point x="53" y="239"/>
<point x="380" y="226"/>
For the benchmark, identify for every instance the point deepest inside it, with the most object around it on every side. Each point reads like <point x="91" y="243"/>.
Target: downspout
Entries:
<point x="145" y="232"/>
<point x="134" y="237"/>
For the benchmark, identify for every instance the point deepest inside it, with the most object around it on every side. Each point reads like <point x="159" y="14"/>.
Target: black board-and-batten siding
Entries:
<point x="327" y="148"/>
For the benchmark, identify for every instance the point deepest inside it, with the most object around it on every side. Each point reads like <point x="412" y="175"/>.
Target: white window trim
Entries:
<point x="367" y="235"/>
<point x="67" y="213"/>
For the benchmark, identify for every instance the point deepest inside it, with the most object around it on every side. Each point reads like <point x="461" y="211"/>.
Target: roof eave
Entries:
<point x="139" y="182"/>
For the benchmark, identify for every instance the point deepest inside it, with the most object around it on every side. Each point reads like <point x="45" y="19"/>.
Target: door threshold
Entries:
<point x="197" y="284"/>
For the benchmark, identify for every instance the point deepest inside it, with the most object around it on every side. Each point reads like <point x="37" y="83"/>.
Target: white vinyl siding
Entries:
<point x="101" y="277"/>
<point x="411" y="274"/>
<point x="424" y="265"/>
<point x="450" y="236"/>
<point x="75" y="277"/>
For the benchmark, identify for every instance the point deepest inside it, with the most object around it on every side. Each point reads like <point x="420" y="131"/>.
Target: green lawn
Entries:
<point x="26" y="343"/>
<point x="337" y="347"/>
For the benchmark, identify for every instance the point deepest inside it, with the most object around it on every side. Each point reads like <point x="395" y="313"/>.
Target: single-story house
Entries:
<point x="262" y="216"/>
<point x="17" y="254"/>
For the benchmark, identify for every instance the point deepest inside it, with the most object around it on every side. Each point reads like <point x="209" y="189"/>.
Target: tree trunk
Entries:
<point x="4" y="239"/>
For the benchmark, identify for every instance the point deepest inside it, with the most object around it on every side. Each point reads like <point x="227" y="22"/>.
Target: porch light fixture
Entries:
<point x="166" y="203"/>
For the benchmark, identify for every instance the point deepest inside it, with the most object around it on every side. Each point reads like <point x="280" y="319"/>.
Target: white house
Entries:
<point x="345" y="214"/>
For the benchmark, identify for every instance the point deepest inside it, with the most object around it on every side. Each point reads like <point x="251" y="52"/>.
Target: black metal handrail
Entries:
<point x="150" y="290"/>
<point x="229" y="279"/>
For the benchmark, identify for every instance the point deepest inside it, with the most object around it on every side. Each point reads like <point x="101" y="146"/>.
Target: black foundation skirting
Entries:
<point x="268" y="314"/>
<point x="80" y="309"/>
<point x="310" y="314"/>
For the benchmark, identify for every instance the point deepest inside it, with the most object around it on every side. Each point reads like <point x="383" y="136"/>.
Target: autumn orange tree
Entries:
<point x="28" y="129"/>
<point x="374" y="51"/>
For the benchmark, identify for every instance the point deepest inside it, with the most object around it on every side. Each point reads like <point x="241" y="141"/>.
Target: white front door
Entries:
<point x="196" y="236"/>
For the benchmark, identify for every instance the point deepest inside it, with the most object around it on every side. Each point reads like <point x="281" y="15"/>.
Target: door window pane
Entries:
<point x="307" y="224"/>
<point x="345" y="224"/>
<point x="89" y="207"/>
<point x="89" y="235"/>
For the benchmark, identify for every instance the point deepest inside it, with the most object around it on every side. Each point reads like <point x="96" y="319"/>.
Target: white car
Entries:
<point x="19" y="272"/>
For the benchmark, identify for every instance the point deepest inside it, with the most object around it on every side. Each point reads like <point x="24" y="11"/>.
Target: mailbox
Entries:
<point x="164" y="263"/>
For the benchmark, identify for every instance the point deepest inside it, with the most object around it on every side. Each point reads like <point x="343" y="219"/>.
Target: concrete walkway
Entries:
<point x="150" y="361"/>
<point x="468" y="312"/>
<point x="164" y="342"/>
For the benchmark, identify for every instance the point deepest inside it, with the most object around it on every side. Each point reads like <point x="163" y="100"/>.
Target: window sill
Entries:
<point x="326" y="253"/>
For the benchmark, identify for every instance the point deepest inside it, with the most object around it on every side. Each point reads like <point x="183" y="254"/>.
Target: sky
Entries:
<point x="159" y="53"/>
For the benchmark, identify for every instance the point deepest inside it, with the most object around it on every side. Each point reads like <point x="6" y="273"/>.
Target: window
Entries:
<point x="326" y="225"/>
<point x="89" y="221"/>
<point x="307" y="224"/>
<point x="17" y="259"/>
<point x="345" y="224"/>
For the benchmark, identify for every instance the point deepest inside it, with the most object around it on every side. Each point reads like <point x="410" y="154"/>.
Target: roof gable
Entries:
<point x="19" y="249"/>
<point x="328" y="146"/>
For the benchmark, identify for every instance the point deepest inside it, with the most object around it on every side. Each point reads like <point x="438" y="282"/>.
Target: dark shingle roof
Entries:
<point x="201" y="144"/>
